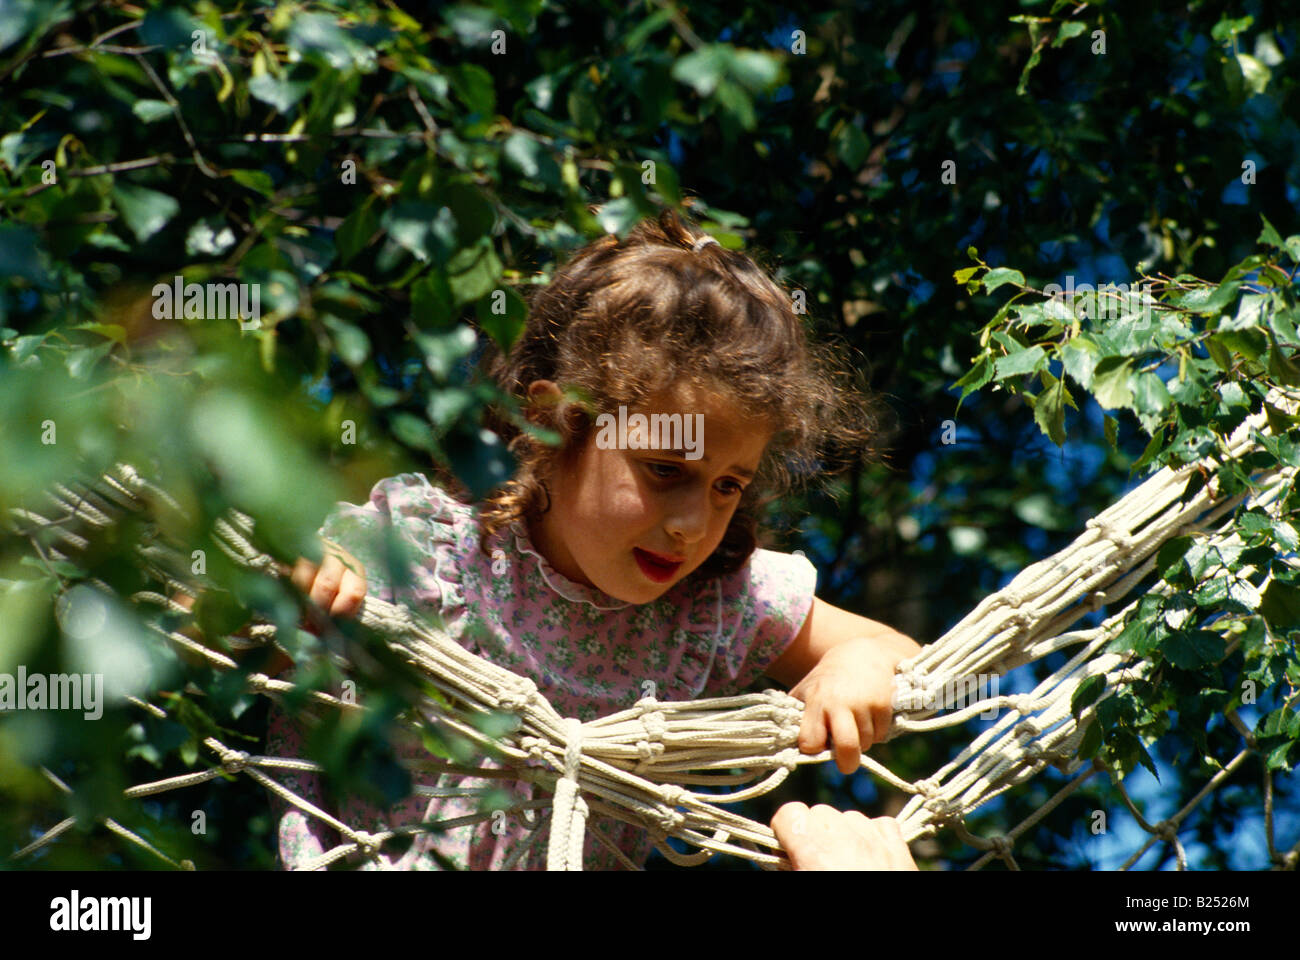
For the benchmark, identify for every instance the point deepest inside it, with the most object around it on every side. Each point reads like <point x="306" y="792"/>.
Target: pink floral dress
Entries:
<point x="590" y="655"/>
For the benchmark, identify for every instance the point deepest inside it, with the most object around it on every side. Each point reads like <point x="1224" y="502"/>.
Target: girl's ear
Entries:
<point x="543" y="395"/>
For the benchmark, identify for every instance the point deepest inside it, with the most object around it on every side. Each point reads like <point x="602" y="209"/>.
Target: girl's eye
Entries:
<point x="732" y="488"/>
<point x="663" y="471"/>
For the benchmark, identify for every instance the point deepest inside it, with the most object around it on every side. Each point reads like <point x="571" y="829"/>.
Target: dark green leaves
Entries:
<point x="425" y="230"/>
<point x="278" y="91"/>
<point x="1193" y="650"/>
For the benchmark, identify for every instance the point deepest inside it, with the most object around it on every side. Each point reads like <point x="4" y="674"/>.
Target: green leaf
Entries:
<point x="166" y="26"/>
<point x="1171" y="552"/>
<point x="702" y="69"/>
<point x="1079" y="356"/>
<point x="1145" y="759"/>
<point x="424" y="229"/>
<point x="474" y="272"/>
<point x="412" y="430"/>
<point x="1255" y="73"/>
<point x="1213" y="592"/>
<point x="1110" y="384"/>
<point x="113" y="331"/>
<point x="1269" y="234"/>
<point x="1250" y="344"/>
<point x="1228" y="28"/>
<point x="316" y="35"/>
<point x="279" y="92"/>
<point x="1086" y="694"/>
<point x="999" y="276"/>
<point x="852" y="147"/>
<point x="351" y="236"/>
<point x="963" y="275"/>
<point x="475" y="87"/>
<point x="618" y="216"/>
<point x="350" y="341"/>
<point x="144" y="211"/>
<point x="502" y="314"/>
<point x="755" y="70"/>
<point x="1021" y="363"/>
<point x="976" y="377"/>
<point x="1090" y="741"/>
<point x="1067" y="30"/>
<point x="209" y="236"/>
<point x="432" y="302"/>
<point x="1049" y="411"/>
<point x="257" y="180"/>
<point x="1191" y="651"/>
<point x="149" y="111"/>
<point x="1111" y="429"/>
<point x="1277" y="758"/>
<point x="1281" y="604"/>
<point x="443" y="350"/>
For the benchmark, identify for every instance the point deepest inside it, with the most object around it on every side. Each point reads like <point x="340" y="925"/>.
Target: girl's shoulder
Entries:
<point x="770" y="579"/>
<point x="406" y="520"/>
<point x="412" y="497"/>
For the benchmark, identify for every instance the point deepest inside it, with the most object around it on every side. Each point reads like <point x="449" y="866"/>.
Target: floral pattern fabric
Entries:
<point x="589" y="653"/>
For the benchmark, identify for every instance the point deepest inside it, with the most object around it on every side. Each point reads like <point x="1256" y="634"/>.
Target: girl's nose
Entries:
<point x="688" y="518"/>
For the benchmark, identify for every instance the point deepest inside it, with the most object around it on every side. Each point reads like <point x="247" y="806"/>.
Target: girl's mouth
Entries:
<point x="657" y="568"/>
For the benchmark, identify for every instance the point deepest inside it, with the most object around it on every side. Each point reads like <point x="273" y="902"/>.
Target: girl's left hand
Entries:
<point x="850" y="694"/>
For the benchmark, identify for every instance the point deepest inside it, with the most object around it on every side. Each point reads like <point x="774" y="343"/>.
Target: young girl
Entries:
<point x="614" y="559"/>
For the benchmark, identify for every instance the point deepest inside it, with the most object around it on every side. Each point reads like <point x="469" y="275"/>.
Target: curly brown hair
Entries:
<point x="622" y="320"/>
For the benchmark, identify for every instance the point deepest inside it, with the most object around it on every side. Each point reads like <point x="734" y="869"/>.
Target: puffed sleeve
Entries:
<point x="395" y="536"/>
<point x="763" y="606"/>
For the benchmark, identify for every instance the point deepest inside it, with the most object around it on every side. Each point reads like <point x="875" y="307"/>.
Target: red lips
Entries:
<point x="657" y="566"/>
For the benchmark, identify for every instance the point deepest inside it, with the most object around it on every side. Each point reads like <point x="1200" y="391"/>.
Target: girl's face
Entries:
<point x="632" y="523"/>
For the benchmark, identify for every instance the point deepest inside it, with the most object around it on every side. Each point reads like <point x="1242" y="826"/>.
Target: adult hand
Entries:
<point x="824" y="838"/>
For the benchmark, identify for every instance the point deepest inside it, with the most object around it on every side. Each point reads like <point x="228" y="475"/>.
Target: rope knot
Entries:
<point x="234" y="761"/>
<point x="520" y="697"/>
<point x="1001" y="845"/>
<point x="788" y="758"/>
<point x="535" y="747"/>
<point x="669" y="819"/>
<point x="366" y="843"/>
<point x="1028" y="728"/>
<point x="1012" y="597"/>
<point x="648" y="751"/>
<point x="656" y="725"/>
<point x="927" y="788"/>
<point x="672" y="794"/>
<point x="1109" y="531"/>
<point x="939" y="806"/>
<point x="1165" y="830"/>
<point x="257" y="682"/>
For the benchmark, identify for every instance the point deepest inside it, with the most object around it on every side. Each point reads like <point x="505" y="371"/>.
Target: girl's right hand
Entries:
<point x="337" y="586"/>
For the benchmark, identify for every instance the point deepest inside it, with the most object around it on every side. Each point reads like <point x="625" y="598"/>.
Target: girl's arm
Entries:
<point x="842" y="666"/>
<point x="828" y="626"/>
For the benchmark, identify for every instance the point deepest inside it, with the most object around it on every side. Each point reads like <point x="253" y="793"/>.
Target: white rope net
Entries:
<point x="639" y="765"/>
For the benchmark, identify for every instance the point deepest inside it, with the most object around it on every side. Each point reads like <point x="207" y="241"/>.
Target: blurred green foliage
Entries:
<point x="391" y="175"/>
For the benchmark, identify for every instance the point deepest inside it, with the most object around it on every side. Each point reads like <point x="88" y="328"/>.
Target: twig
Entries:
<point x="176" y="110"/>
